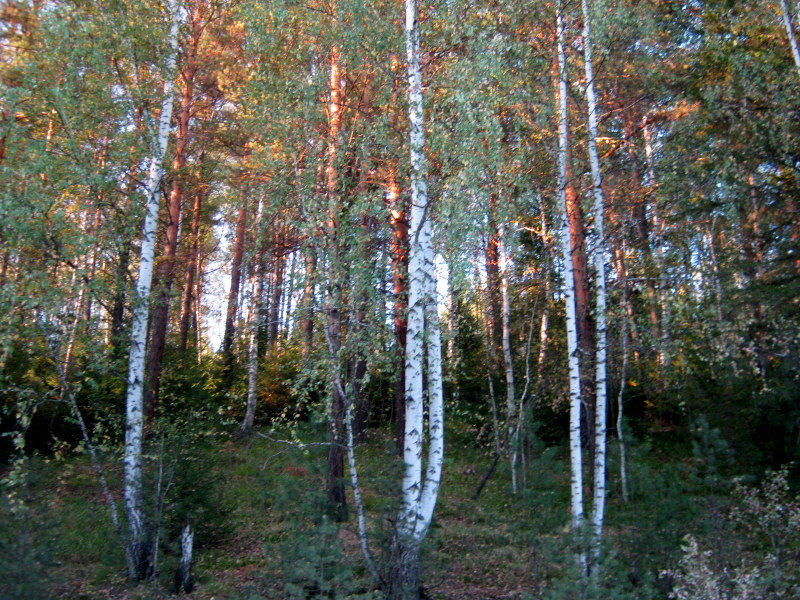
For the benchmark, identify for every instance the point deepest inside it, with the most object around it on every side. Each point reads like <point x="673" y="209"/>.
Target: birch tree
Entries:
<point x="508" y="363"/>
<point x="786" y="17"/>
<point x="600" y="260"/>
<point x="420" y="485"/>
<point x="256" y="317"/>
<point x="576" y="458"/>
<point x="138" y="533"/>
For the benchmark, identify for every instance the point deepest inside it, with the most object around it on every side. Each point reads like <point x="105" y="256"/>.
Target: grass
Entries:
<point x="267" y="539"/>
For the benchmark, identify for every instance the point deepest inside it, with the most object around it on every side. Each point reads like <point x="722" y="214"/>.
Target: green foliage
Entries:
<point x="312" y="558"/>
<point x="755" y="553"/>
<point x="699" y="578"/>
<point x="185" y="486"/>
<point x="26" y="555"/>
<point x="192" y="391"/>
<point x="279" y="379"/>
<point x="712" y="457"/>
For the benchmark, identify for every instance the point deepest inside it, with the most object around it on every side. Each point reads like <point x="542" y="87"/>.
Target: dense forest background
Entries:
<point x="614" y="272"/>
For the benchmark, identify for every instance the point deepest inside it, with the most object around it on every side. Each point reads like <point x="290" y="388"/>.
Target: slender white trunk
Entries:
<point x="435" y="394"/>
<point x="600" y="260"/>
<point x="623" y="467"/>
<point x="357" y="499"/>
<point x="134" y="420"/>
<point x="256" y="322"/>
<point x="511" y="409"/>
<point x="576" y="484"/>
<point x="94" y="455"/>
<point x="498" y="444"/>
<point x="252" y="354"/>
<point x="423" y="347"/>
<point x="787" y="22"/>
<point x="517" y="438"/>
<point x="183" y="576"/>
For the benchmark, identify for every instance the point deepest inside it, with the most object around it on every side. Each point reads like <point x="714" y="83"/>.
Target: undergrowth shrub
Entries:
<point x="761" y="556"/>
<point x="25" y="558"/>
<point x="26" y="536"/>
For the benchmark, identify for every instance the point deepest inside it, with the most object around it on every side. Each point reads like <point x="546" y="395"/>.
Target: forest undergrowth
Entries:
<point x="264" y="533"/>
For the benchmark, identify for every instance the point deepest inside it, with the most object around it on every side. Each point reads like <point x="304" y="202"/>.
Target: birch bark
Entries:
<point x="255" y="325"/>
<point x="599" y="479"/>
<point x="786" y="16"/>
<point x="423" y="352"/>
<point x="508" y="362"/>
<point x="576" y="459"/>
<point x="140" y="547"/>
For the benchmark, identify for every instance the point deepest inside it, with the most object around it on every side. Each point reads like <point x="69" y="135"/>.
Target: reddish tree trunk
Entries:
<point x="236" y="276"/>
<point x="337" y="500"/>
<point x="187" y="298"/>
<point x="165" y="273"/>
<point x="398" y="220"/>
<point x="307" y="303"/>
<point x="583" y="307"/>
<point x="278" y="263"/>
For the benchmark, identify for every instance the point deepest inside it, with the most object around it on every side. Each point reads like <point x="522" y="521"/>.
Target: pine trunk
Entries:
<point x="166" y="266"/>
<point x="187" y="298"/>
<point x="236" y="276"/>
<point x="337" y="499"/>
<point x="398" y="222"/>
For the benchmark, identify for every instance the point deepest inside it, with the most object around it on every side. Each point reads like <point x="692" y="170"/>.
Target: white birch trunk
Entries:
<point x="256" y="322"/>
<point x="787" y="22"/>
<point x="508" y="362"/>
<point x="94" y="455"/>
<point x="576" y="459"/>
<point x="357" y="499"/>
<point x="600" y="260"/>
<point x="183" y="575"/>
<point x="623" y="466"/>
<point x="134" y="419"/>
<point x="423" y="346"/>
<point x="252" y="355"/>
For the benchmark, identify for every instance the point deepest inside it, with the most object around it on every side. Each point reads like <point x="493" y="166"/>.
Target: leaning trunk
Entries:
<point x="138" y="537"/>
<point x="787" y="23"/>
<point x="166" y="266"/>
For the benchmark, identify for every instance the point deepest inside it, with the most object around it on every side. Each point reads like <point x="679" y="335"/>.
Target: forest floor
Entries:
<point x="260" y="534"/>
